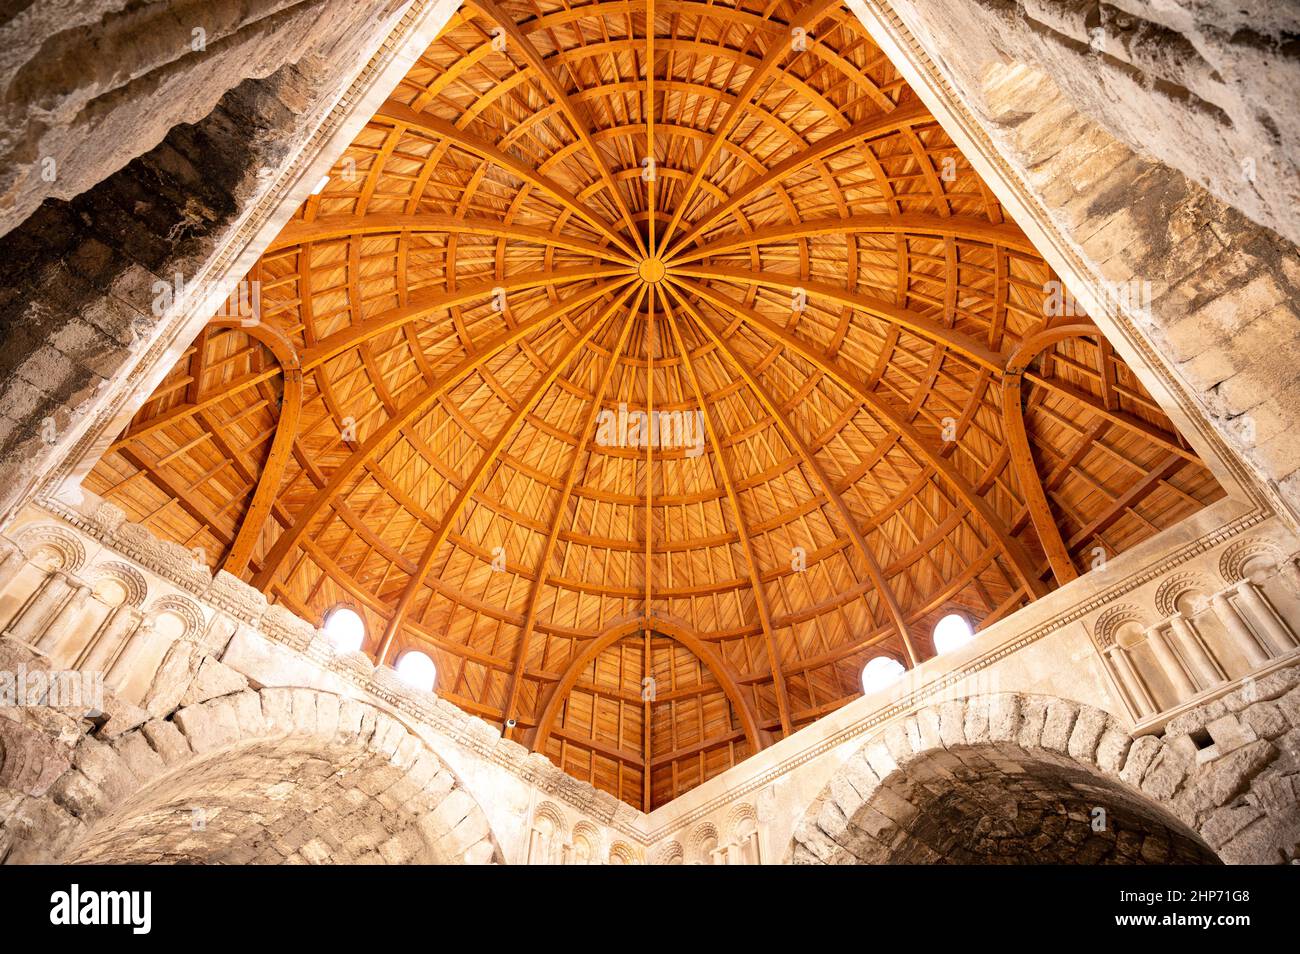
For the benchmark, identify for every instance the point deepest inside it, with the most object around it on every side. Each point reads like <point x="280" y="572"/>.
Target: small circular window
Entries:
<point x="879" y="673"/>
<point x="416" y="669"/>
<point x="952" y="632"/>
<point x="345" y="629"/>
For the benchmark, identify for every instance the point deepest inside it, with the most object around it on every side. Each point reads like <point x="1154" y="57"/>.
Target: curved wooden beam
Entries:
<point x="409" y="413"/>
<point x="286" y="432"/>
<point x="401" y="114"/>
<point x="1038" y="342"/>
<point x="957" y="226"/>
<point x="792" y="436"/>
<point x="721" y="672"/>
<point x="746" y="544"/>
<point x="578" y="119"/>
<point x="1022" y="459"/>
<point x="929" y="328"/>
<point x="808" y="16"/>
<point x="580" y="453"/>
<point x="471" y="483"/>
<point x="1016" y="553"/>
<point x="326" y="228"/>
<point x="904" y="117"/>
<point x="427" y="303"/>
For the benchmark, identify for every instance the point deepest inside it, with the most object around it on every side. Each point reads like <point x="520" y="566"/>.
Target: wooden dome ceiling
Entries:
<point x="495" y="280"/>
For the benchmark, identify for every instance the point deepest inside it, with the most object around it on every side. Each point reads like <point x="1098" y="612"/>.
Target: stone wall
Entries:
<point x="1203" y="86"/>
<point x="1013" y="778"/>
<point x="87" y="87"/>
<point x="210" y="690"/>
<point x="175" y="650"/>
<point x="276" y="776"/>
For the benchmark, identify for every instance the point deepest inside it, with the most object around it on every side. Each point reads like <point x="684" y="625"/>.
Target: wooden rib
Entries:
<point x="395" y="112"/>
<point x="1130" y="422"/>
<point x="580" y="453"/>
<point x="1022" y="459"/>
<point x="964" y="227"/>
<point x="410" y="413"/>
<point x="717" y="666"/>
<point x="299" y="232"/>
<point x="430" y="303"/>
<point x="1130" y="498"/>
<point x="182" y="411"/>
<point x="1015" y="553"/>
<point x="928" y="328"/>
<point x="746" y="544"/>
<point x="805" y="18"/>
<point x="471" y="482"/>
<point x="577" y="115"/>
<point x="850" y="522"/>
<point x="901" y="118"/>
<point x="277" y="459"/>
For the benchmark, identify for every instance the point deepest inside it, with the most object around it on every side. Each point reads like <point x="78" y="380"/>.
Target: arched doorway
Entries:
<point x="993" y="780"/>
<point x="289" y="800"/>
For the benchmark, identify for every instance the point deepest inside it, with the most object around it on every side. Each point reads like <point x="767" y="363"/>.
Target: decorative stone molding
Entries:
<point x="1233" y="562"/>
<point x="737" y="817"/>
<point x="1109" y="622"/>
<point x="670" y="854"/>
<point x="697" y="851"/>
<point x="621" y="853"/>
<point x="1173" y="588"/>
<point x="186" y="610"/>
<point x="70" y="551"/>
<point x="131" y="580"/>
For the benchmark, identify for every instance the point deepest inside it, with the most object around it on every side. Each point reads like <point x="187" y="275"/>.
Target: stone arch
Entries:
<point x="621" y="853"/>
<point x="588" y="846"/>
<point x="741" y="820"/>
<point x="551" y="833"/>
<point x="1237" y="560"/>
<point x="1175" y="588"/>
<point x="65" y="545"/>
<point x="1107" y="626"/>
<point x="949" y="781"/>
<point x="701" y="842"/>
<point x="670" y="854"/>
<point x="187" y="611"/>
<point x="348" y="782"/>
<point x="128" y="577"/>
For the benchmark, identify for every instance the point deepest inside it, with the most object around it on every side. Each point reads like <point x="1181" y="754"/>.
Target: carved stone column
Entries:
<point x="65" y="617"/>
<point x="103" y="647"/>
<point x="537" y="847"/>
<point x="121" y="666"/>
<point x="1173" y="669"/>
<point x="1205" y="669"/>
<point x="1237" y="629"/>
<point x="26" y="626"/>
<point x="13" y="560"/>
<point x="1261" y="613"/>
<point x="1129" y="681"/>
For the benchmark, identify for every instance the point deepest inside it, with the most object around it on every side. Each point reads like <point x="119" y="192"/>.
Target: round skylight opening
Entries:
<point x="345" y="629"/>
<point x="416" y="669"/>
<point x="952" y="632"/>
<point x="879" y="673"/>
